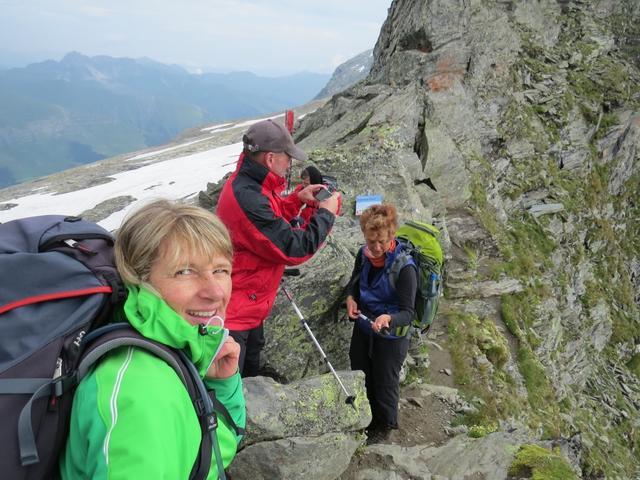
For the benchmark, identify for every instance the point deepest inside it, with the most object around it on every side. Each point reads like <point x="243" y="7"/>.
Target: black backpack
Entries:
<point x="58" y="290"/>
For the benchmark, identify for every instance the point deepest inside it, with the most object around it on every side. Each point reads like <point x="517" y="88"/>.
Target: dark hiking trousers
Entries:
<point x="380" y="359"/>
<point x="251" y="343"/>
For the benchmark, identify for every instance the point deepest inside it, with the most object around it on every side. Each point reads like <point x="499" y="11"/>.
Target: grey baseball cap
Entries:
<point x="270" y="136"/>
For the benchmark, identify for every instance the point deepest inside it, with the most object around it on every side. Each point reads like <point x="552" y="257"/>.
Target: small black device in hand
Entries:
<point x="330" y="182"/>
<point x="332" y="185"/>
<point x="322" y="194"/>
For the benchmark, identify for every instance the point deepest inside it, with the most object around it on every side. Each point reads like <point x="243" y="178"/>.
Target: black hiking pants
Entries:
<point x="380" y="359"/>
<point x="251" y="343"/>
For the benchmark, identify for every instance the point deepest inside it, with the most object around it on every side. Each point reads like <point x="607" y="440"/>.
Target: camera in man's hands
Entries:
<point x="332" y="185"/>
<point x="330" y="182"/>
<point x="322" y="194"/>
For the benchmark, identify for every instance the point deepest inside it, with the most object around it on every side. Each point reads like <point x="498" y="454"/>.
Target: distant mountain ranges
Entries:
<point x="56" y="115"/>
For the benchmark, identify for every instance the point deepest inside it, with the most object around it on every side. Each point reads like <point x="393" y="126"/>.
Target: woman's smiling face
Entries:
<point x="197" y="289"/>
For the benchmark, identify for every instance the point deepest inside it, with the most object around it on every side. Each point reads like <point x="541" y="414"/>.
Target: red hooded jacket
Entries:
<point x="264" y="242"/>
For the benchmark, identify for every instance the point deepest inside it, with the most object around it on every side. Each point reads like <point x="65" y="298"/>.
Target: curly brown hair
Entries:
<point x="379" y="218"/>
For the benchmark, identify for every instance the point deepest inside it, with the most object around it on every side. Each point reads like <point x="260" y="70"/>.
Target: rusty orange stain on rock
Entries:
<point x="445" y="63"/>
<point x="447" y="72"/>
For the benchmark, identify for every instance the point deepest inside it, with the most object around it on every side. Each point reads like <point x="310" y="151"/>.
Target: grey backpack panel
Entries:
<point x="35" y="324"/>
<point x="58" y="287"/>
<point x="58" y="282"/>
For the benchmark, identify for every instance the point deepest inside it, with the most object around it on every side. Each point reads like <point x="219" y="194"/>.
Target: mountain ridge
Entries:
<point x="348" y="73"/>
<point x="56" y="115"/>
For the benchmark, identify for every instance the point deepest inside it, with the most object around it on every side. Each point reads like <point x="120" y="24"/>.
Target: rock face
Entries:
<point x="301" y="430"/>
<point x="462" y="457"/>
<point x="310" y="407"/>
<point x="514" y="127"/>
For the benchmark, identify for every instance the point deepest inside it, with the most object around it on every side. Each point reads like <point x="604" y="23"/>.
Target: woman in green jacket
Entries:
<point x="132" y="418"/>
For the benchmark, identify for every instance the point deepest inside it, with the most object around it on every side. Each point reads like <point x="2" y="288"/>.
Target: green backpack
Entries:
<point x="421" y="241"/>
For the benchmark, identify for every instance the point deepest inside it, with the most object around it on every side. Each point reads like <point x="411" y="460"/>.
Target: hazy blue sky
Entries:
<point x="269" y="37"/>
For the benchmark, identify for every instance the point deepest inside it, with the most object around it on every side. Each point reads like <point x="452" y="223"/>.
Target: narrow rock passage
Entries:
<point x="427" y="405"/>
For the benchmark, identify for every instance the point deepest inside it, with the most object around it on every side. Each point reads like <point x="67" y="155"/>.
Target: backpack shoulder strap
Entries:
<point x="361" y="256"/>
<point x="107" y="338"/>
<point x="359" y="261"/>
<point x="103" y="340"/>
<point x="403" y="259"/>
<point x="208" y="423"/>
<point x="219" y="407"/>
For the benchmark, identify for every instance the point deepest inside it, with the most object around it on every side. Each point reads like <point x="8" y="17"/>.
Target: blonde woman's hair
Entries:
<point x="379" y="218"/>
<point x="182" y="230"/>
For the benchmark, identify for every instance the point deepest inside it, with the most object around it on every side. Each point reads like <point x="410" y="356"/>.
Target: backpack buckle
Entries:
<point x="118" y="291"/>
<point x="211" y="421"/>
<point x="199" y="406"/>
<point x="209" y="416"/>
<point x="63" y="384"/>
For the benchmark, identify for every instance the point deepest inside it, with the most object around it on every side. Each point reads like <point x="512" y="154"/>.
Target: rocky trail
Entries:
<point x="426" y="410"/>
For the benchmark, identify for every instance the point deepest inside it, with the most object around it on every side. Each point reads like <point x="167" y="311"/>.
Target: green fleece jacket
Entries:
<point x="132" y="417"/>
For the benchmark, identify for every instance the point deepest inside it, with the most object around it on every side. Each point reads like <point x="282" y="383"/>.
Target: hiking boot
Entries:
<point x="378" y="435"/>
<point x="372" y="427"/>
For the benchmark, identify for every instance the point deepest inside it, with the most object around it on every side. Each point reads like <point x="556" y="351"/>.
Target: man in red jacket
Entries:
<point x="258" y="218"/>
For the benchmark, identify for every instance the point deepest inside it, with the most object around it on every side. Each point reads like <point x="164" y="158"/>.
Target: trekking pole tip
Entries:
<point x="351" y="400"/>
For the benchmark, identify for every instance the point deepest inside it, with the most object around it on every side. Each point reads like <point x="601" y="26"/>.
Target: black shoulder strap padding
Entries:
<point x="202" y="464"/>
<point x="208" y="422"/>
<point x="219" y="407"/>
<point x="360" y="263"/>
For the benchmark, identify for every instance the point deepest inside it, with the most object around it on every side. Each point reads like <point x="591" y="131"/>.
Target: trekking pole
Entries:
<point x="229" y="163"/>
<point x="350" y="398"/>
<point x="383" y="331"/>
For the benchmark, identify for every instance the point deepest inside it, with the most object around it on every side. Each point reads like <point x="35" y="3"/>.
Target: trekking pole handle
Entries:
<point x="286" y="292"/>
<point x="383" y="331"/>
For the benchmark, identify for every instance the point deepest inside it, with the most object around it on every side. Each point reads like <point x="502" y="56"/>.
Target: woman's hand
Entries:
<point x="352" y="308"/>
<point x="381" y="322"/>
<point x="226" y="362"/>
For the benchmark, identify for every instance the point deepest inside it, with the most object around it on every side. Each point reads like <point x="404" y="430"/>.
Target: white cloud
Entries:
<point x="95" y="10"/>
<point x="266" y="36"/>
<point x="115" y="37"/>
